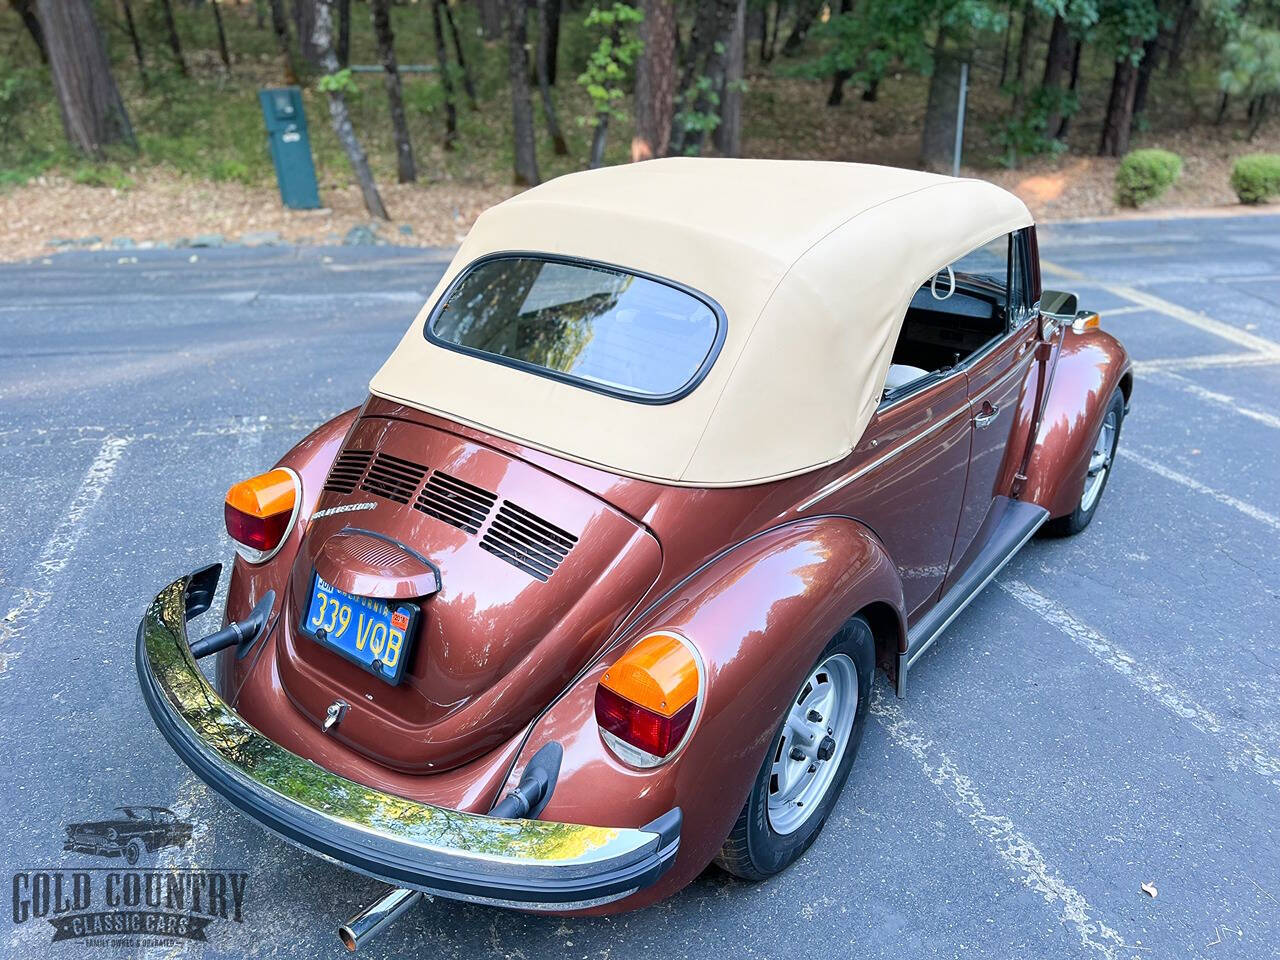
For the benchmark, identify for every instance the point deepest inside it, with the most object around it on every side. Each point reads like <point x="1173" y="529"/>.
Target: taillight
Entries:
<point x="647" y="701"/>
<point x="261" y="511"/>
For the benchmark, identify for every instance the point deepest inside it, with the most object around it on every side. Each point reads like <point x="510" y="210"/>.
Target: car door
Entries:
<point x="997" y="378"/>
<point x="910" y="469"/>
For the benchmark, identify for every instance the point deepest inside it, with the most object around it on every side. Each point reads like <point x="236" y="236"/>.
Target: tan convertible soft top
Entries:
<point x="814" y="264"/>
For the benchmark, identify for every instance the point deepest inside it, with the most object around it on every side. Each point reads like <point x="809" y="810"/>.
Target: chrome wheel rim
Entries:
<point x="1099" y="462"/>
<point x="815" y="737"/>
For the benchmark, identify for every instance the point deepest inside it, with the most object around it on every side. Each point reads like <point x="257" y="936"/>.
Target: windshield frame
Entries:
<point x="635" y="396"/>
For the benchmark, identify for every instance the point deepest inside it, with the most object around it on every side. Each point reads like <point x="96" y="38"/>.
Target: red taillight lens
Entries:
<point x="643" y="729"/>
<point x="646" y="701"/>
<point x="260" y="511"/>
<point x="259" y="533"/>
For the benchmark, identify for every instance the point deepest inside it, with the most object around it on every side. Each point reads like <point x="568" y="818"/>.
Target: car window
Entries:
<point x="958" y="313"/>
<point x="596" y="326"/>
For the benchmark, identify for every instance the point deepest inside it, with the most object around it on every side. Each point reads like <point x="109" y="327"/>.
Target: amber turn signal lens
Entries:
<point x="1086" y="322"/>
<point x="259" y="512"/>
<point x="645" y="702"/>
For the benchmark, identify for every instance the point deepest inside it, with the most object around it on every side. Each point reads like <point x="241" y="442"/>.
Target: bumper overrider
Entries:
<point x="528" y="864"/>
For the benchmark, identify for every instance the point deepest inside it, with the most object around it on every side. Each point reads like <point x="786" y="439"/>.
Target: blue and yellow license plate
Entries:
<point x="376" y="634"/>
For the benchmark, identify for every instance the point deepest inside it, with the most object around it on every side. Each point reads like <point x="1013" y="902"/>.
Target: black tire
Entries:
<point x="753" y="850"/>
<point x="133" y="851"/>
<point x="1079" y="518"/>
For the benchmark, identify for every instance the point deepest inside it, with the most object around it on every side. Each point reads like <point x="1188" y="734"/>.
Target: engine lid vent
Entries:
<point x="456" y="502"/>
<point x="347" y="470"/>
<point x="526" y="541"/>
<point x="393" y="478"/>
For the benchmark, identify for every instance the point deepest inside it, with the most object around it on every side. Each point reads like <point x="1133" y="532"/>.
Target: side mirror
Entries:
<point x="1062" y="306"/>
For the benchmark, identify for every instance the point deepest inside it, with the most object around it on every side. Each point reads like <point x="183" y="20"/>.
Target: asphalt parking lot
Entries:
<point x="1107" y="714"/>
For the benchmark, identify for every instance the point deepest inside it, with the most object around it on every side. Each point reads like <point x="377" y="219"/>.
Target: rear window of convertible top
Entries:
<point x="596" y="326"/>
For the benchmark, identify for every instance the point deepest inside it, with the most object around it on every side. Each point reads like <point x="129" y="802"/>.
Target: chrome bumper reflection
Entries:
<point x="531" y="864"/>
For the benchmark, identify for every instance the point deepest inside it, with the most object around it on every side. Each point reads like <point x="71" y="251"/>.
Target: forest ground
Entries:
<point x="203" y="171"/>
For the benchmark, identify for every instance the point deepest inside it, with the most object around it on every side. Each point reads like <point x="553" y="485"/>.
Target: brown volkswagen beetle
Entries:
<point x="589" y="591"/>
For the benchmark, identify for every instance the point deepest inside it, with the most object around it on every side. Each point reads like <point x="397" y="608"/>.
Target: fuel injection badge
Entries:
<point x="129" y="904"/>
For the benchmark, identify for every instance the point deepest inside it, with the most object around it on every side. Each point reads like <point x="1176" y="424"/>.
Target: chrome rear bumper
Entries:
<point x="528" y="864"/>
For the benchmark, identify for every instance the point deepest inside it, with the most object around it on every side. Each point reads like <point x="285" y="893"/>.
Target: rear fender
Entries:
<point x="758" y="615"/>
<point x="310" y="459"/>
<point x="1089" y="367"/>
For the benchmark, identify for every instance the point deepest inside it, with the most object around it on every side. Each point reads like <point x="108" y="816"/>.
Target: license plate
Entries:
<point x="376" y="634"/>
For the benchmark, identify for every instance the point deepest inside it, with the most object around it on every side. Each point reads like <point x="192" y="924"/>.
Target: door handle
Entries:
<point x="988" y="415"/>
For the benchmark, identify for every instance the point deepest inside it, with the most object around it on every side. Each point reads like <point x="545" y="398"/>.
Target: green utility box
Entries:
<point x="290" y="147"/>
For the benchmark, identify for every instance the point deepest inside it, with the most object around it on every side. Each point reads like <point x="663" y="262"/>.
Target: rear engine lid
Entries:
<point x="520" y="577"/>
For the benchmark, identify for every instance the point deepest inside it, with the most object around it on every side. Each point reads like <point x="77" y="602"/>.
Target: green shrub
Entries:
<point x="1144" y="175"/>
<point x="1256" y="178"/>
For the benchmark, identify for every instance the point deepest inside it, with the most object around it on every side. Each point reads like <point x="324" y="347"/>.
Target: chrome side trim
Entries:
<point x="884" y="458"/>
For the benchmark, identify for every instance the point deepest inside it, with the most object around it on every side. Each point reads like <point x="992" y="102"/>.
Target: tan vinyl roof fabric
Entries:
<point x="814" y="264"/>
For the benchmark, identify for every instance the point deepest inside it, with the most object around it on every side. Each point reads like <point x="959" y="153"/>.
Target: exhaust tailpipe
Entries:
<point x="370" y="921"/>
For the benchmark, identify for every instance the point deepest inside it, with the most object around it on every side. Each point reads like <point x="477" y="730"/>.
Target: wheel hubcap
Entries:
<point x="1099" y="462"/>
<point x="815" y="736"/>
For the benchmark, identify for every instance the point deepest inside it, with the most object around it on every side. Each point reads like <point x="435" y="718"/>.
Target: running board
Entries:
<point x="1020" y="522"/>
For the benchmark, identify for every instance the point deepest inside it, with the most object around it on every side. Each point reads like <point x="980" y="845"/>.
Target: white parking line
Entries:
<point x="1019" y="854"/>
<point x="1190" y="317"/>
<point x="56" y="553"/>
<point x="1248" y="752"/>
<point x="1248" y="509"/>
<point x="1212" y="396"/>
<point x="1205" y="362"/>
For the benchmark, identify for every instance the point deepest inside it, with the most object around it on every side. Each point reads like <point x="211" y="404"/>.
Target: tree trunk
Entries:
<point x="655" y="80"/>
<point x="344" y="33"/>
<point x="174" y="43"/>
<point x="223" y="52"/>
<point x="467" y="83"/>
<point x="491" y="19"/>
<point x="29" y="20"/>
<point x="1065" y="125"/>
<point x="260" y="14"/>
<point x="1119" y="118"/>
<point x="1150" y="55"/>
<point x="1259" y="113"/>
<point x="305" y="13"/>
<point x="1056" y="63"/>
<point x="1187" y="14"/>
<point x="280" y="27"/>
<point x="841" y="76"/>
<point x="446" y="80"/>
<point x="93" y="115"/>
<point x="133" y="38"/>
<point x="1024" y="53"/>
<point x="758" y="25"/>
<point x="938" y="143"/>
<point x="772" y="47"/>
<point x="380" y="11"/>
<point x="703" y="75"/>
<point x="544" y="85"/>
<point x="727" y="136"/>
<point x="806" y="12"/>
<point x="526" y="153"/>
<point x="1224" y="99"/>
<point x="598" y="141"/>
<point x="322" y="42"/>
<point x="1004" y="47"/>
<point x="872" y="93"/>
<point x="551" y="54"/>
